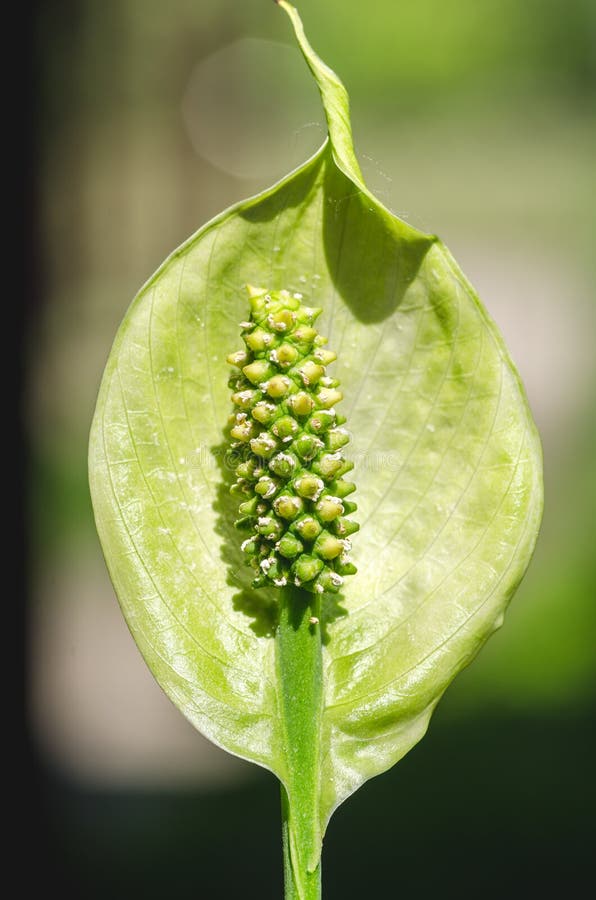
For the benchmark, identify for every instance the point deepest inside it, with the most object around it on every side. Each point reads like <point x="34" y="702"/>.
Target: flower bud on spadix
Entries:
<point x="286" y="448"/>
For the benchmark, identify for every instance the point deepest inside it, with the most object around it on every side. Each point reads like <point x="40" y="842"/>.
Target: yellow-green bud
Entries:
<point x="258" y="371"/>
<point x="309" y="486"/>
<point x="239" y="358"/>
<point x="266" y="487"/>
<point x="344" y="527"/>
<point x="247" y="469"/>
<point x="289" y="546"/>
<point x="310" y="372"/>
<point x="282" y="321"/>
<point x="301" y="404"/>
<point x="285" y="427"/>
<point x="255" y="294"/>
<point x="307" y="446"/>
<point x="278" y="386"/>
<point x="264" y="412"/>
<point x="249" y="507"/>
<point x="288" y="506"/>
<point x="308" y="528"/>
<point x="270" y="527"/>
<point x="327" y="546"/>
<point x="243" y="429"/>
<point x="250" y="546"/>
<point x="321" y="421"/>
<point x="241" y="488"/>
<point x="336" y="439"/>
<point x="329" y="508"/>
<point x="325" y="357"/>
<point x="306" y="568"/>
<point x="328" y="581"/>
<point x="304" y="334"/>
<point x="244" y="399"/>
<point x="341" y="489"/>
<point x="258" y="340"/>
<point x="308" y="314"/>
<point x="264" y="445"/>
<point x="328" y="397"/>
<point x="284" y="356"/>
<point x="345" y="568"/>
<point x="328" y="465"/>
<point x="283" y="464"/>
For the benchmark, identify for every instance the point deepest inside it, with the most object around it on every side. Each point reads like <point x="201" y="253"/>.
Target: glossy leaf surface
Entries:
<point x="447" y="468"/>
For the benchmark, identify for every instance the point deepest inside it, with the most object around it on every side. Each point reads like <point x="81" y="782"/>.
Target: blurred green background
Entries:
<point x="473" y="119"/>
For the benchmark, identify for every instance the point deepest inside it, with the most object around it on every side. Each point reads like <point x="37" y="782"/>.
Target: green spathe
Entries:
<point x="447" y="462"/>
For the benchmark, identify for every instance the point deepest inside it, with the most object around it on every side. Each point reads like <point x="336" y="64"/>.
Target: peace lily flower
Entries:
<point x="323" y="674"/>
<point x="286" y="435"/>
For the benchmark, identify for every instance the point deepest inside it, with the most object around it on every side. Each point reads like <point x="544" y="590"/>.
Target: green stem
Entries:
<point x="300" y="676"/>
<point x="312" y="880"/>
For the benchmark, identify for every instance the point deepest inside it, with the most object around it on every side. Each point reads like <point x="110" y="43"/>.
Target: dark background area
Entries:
<point x="495" y="806"/>
<point x="474" y="121"/>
